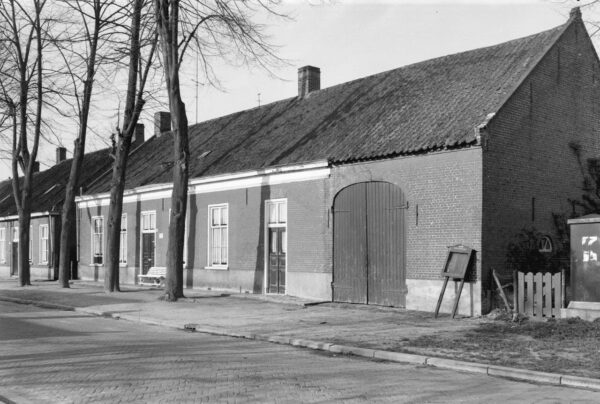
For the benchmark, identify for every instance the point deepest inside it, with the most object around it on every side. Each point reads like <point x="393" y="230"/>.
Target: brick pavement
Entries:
<point x="63" y="357"/>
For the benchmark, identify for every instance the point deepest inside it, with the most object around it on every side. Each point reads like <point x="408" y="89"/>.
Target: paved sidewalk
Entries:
<point x="344" y="328"/>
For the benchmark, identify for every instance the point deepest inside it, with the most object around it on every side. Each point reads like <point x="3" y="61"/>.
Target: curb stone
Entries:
<point x="524" y="374"/>
<point x="401" y="357"/>
<point x="442" y="363"/>
<point x="580" y="382"/>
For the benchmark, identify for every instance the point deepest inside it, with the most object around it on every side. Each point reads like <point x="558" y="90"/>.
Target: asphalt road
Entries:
<point x="50" y="356"/>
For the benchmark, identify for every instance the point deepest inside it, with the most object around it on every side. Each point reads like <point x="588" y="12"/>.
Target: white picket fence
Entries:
<point x="540" y="295"/>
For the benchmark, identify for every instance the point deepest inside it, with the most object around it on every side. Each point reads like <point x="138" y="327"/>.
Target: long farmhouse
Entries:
<point x="353" y="193"/>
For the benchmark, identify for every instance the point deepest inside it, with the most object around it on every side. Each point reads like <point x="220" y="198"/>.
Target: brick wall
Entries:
<point x="38" y="269"/>
<point x="307" y="230"/>
<point x="526" y="148"/>
<point x="444" y="187"/>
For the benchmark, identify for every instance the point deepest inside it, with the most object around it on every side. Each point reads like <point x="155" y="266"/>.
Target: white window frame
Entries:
<point x="3" y="245"/>
<point x="123" y="240"/>
<point x="102" y="243"/>
<point x="44" y="244"/>
<point x="210" y="227"/>
<point x="281" y="202"/>
<point x="146" y="213"/>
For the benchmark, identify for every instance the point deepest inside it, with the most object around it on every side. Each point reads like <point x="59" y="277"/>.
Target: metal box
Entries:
<point x="585" y="258"/>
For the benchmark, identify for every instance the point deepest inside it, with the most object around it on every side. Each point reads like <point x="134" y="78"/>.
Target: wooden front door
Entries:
<point x="277" y="251"/>
<point x="14" y="261"/>
<point x="147" y="252"/>
<point x="368" y="245"/>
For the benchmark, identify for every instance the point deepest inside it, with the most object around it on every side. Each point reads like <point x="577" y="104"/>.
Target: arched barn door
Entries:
<point x="368" y="244"/>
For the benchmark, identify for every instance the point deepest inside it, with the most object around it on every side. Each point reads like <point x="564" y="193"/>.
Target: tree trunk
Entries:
<point x="115" y="211"/>
<point x="23" y="259"/>
<point x="174" y="278"/>
<point x="167" y="20"/>
<point x="68" y="217"/>
<point x="68" y="210"/>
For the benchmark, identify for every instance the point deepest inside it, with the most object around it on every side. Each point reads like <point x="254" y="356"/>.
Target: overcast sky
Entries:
<point x="351" y="39"/>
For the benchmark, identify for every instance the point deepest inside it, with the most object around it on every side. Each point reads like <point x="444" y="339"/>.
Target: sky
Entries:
<point x="347" y="40"/>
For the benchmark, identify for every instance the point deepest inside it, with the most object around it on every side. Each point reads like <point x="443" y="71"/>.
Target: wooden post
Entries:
<point x="515" y="292"/>
<point x="563" y="288"/>
<point x="439" y="303"/>
<point x="460" y="287"/>
<point x="499" y="285"/>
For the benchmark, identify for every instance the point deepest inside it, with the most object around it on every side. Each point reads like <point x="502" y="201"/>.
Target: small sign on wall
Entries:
<point x="160" y="235"/>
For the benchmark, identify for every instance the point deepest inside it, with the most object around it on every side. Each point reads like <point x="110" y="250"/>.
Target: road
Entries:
<point x="51" y="356"/>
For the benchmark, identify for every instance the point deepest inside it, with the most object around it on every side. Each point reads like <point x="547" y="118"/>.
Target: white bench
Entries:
<point x="155" y="277"/>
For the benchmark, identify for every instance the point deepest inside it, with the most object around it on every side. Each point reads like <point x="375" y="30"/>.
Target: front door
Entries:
<point x="277" y="251"/>
<point x="14" y="262"/>
<point x="147" y="252"/>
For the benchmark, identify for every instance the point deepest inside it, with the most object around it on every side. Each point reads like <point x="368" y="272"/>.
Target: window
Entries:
<point x="97" y="240"/>
<point x="2" y="244"/>
<point x="43" y="243"/>
<point x="218" y="235"/>
<point x="123" y="240"/>
<point x="15" y="234"/>
<point x="277" y="212"/>
<point x="148" y="221"/>
<point x="545" y="244"/>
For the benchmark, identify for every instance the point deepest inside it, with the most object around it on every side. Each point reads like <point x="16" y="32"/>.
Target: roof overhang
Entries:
<point x="33" y="215"/>
<point x="245" y="179"/>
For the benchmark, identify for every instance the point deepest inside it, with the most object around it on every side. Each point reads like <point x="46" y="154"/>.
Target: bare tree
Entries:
<point x="134" y="102"/>
<point x="83" y="53"/>
<point x="22" y="40"/>
<point x="216" y="28"/>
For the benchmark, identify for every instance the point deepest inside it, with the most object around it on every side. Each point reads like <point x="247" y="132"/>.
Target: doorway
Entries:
<point x="368" y="245"/>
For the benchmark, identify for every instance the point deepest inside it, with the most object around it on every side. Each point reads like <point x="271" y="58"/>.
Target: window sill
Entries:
<point x="122" y="265"/>
<point x="218" y="267"/>
<point x="95" y="265"/>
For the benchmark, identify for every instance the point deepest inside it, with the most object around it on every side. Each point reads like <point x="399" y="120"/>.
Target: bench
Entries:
<point x="155" y="277"/>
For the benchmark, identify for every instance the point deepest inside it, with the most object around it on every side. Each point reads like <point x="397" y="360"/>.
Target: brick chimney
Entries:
<point x="61" y="154"/>
<point x="162" y="123"/>
<point x="138" y="136"/>
<point x="575" y="13"/>
<point x="309" y="80"/>
<point x="36" y="166"/>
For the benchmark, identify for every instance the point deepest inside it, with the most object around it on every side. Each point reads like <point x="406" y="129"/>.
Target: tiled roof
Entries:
<point x="425" y="106"/>
<point x="48" y="190"/>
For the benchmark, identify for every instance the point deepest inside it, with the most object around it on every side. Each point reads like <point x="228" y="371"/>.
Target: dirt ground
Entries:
<point x="562" y="346"/>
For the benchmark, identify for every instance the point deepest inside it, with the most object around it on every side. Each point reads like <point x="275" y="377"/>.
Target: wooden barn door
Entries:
<point x="369" y="245"/>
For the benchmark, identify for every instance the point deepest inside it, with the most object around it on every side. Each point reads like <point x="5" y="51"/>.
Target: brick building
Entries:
<point x="354" y="192"/>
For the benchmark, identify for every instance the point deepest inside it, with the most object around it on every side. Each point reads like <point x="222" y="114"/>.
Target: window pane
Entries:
<point x="272" y="213"/>
<point x="152" y="221"/>
<point x="284" y="242"/>
<point x="282" y="212"/>
<point x="224" y="216"/>
<point x="273" y="242"/>
<point x="216" y="216"/>
<point x="224" y="246"/>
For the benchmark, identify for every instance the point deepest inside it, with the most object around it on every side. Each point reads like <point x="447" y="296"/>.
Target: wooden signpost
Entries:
<point x="457" y="264"/>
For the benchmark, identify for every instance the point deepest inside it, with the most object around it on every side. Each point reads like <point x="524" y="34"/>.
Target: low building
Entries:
<point x="48" y="193"/>
<point x="353" y="193"/>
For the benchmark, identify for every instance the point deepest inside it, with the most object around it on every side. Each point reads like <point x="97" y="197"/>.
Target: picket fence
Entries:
<point x="540" y="295"/>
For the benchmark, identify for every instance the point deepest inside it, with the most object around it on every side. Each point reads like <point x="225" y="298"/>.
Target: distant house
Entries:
<point x="47" y="200"/>
<point x="353" y="193"/>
